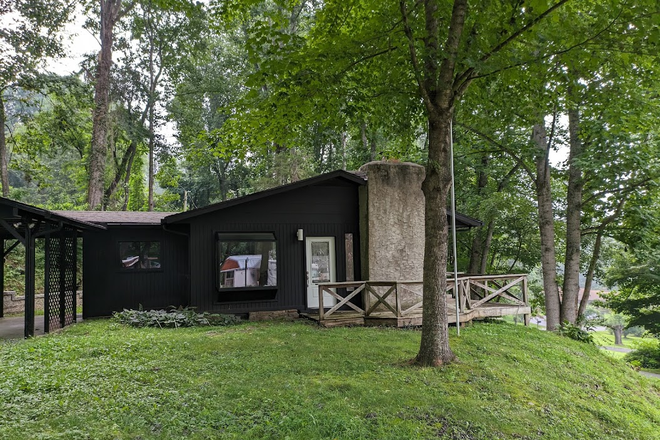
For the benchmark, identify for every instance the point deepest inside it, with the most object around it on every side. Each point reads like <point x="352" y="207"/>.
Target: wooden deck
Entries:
<point x="399" y="303"/>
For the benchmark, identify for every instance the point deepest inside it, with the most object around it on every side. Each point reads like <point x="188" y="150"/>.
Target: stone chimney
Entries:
<point x="392" y="222"/>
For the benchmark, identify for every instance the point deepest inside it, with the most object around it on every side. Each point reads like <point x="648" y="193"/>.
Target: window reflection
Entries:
<point x="139" y="255"/>
<point x="246" y="262"/>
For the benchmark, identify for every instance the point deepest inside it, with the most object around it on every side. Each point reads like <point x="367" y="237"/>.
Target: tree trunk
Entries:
<point x="4" y="171"/>
<point x="121" y="170"/>
<point x="363" y="134"/>
<point x="127" y="181"/>
<point x="97" y="158"/>
<point x="590" y="274"/>
<point x="434" y="347"/>
<point x="618" y="333"/>
<point x="477" y="250"/>
<point x="546" y="227"/>
<point x="573" y="216"/>
<point x="343" y="150"/>
<point x="151" y="160"/>
<point x="151" y="103"/>
<point x="486" y="247"/>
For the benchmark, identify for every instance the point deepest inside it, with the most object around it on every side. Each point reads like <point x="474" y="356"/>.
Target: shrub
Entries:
<point x="647" y="355"/>
<point x="181" y="317"/>
<point x="576" y="332"/>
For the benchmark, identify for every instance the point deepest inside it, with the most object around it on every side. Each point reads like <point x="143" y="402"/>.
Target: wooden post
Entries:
<point x="397" y="299"/>
<point x="29" y="281"/>
<point x="2" y="281"/>
<point x="527" y="316"/>
<point x="47" y="288"/>
<point x="74" y="262"/>
<point x="366" y="297"/>
<point x="62" y="281"/>
<point x="321" y="311"/>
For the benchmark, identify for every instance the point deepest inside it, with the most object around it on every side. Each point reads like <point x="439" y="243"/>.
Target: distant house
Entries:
<point x="262" y="252"/>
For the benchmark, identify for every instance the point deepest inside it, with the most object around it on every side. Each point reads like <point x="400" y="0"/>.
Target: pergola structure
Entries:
<point x="22" y="224"/>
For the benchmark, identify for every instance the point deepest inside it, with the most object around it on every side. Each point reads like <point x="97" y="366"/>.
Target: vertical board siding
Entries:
<point x="108" y="288"/>
<point x="323" y="211"/>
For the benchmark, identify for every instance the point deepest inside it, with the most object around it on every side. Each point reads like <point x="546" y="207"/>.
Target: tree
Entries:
<point x="375" y="56"/>
<point x="635" y="276"/>
<point x="111" y="11"/>
<point x="29" y="35"/>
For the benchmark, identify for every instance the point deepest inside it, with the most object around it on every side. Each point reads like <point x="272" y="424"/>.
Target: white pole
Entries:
<point x="453" y="225"/>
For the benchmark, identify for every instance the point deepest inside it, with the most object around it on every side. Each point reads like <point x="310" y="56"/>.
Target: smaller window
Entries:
<point x="139" y="255"/>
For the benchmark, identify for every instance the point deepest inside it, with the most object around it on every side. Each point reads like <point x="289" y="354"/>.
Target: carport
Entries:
<point x="22" y="224"/>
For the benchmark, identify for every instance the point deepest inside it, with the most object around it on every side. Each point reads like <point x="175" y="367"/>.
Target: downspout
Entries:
<point x="453" y="226"/>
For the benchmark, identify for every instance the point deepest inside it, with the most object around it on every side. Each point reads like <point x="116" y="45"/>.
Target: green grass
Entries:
<point x="100" y="380"/>
<point x="614" y="354"/>
<point x="606" y="338"/>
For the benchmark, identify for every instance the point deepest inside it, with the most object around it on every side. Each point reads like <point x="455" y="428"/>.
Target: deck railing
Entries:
<point x="404" y="298"/>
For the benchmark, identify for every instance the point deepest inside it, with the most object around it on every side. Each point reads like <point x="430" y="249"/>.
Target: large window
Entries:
<point x="139" y="255"/>
<point x="246" y="260"/>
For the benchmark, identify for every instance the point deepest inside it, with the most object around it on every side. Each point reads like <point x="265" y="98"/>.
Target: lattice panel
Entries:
<point x="52" y="287"/>
<point x="60" y="282"/>
<point x="70" y="263"/>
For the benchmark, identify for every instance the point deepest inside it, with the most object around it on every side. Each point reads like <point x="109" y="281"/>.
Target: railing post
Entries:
<point x="365" y="297"/>
<point x="526" y="316"/>
<point x="321" y="310"/>
<point x="397" y="299"/>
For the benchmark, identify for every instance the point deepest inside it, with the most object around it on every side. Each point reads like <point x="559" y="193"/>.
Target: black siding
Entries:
<point x="108" y="288"/>
<point x="328" y="210"/>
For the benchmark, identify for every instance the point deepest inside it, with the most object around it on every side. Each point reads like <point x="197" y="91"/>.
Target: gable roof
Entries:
<point x="339" y="174"/>
<point x="117" y="217"/>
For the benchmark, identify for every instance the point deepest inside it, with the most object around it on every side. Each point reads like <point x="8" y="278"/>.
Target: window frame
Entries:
<point x="257" y="236"/>
<point x="139" y="269"/>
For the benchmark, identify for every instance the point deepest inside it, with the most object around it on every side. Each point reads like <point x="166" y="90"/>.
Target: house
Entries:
<point x="263" y="252"/>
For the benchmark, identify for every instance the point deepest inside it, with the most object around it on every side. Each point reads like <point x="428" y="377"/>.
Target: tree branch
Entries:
<point x="518" y="160"/>
<point x="413" y="58"/>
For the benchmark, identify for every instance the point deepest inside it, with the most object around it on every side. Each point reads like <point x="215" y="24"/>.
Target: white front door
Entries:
<point x="320" y="269"/>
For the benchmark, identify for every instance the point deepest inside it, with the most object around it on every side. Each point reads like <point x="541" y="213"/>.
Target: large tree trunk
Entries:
<point x="4" y="171"/>
<point x="434" y="348"/>
<point x="109" y="13"/>
<point x="571" y="288"/>
<point x="546" y="227"/>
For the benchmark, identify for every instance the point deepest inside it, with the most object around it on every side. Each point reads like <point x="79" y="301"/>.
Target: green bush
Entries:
<point x="181" y="317"/>
<point x="647" y="355"/>
<point x="576" y="332"/>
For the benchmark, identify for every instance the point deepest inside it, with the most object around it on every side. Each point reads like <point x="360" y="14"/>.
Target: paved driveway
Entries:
<point x="12" y="327"/>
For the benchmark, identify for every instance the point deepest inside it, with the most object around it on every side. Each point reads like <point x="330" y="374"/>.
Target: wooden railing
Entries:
<point x="403" y="298"/>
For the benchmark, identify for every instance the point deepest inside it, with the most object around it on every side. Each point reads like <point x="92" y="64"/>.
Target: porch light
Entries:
<point x="299" y="234"/>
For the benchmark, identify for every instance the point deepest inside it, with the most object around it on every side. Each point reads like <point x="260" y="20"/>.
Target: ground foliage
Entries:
<point x="176" y="317"/>
<point x="646" y="355"/>
<point x="102" y="380"/>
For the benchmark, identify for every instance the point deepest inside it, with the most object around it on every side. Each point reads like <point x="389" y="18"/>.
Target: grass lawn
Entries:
<point x="605" y="338"/>
<point x="100" y="380"/>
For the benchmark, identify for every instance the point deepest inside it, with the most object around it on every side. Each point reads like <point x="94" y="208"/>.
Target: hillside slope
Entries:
<point x="100" y="380"/>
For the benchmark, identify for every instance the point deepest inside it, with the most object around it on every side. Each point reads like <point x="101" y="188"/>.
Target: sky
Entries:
<point x="78" y="42"/>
